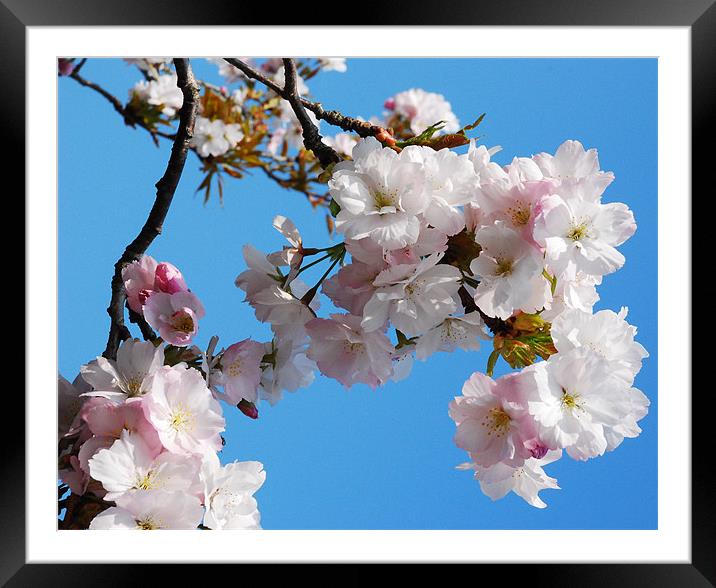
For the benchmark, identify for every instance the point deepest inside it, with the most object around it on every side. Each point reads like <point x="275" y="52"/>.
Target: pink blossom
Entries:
<point x="145" y="276"/>
<point x="167" y="278"/>
<point x="241" y="371"/>
<point x="176" y="316"/>
<point x="352" y="286"/>
<point x="139" y="281"/>
<point x="109" y="420"/>
<point x="344" y="351"/>
<point x="517" y="205"/>
<point x="493" y="424"/>
<point x="187" y="417"/>
<point x="79" y="427"/>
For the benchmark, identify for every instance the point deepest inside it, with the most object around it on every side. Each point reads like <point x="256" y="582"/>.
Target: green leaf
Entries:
<point x="423" y="137"/>
<point x="334" y="208"/>
<point x="491" y="361"/>
<point x="473" y="125"/>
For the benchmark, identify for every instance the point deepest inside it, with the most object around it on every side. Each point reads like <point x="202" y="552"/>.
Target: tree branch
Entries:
<point x="333" y="117"/>
<point x="311" y="137"/>
<point x="130" y="119"/>
<point x="166" y="187"/>
<point x="497" y="326"/>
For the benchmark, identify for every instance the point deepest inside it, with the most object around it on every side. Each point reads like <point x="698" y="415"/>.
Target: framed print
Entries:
<point x="412" y="293"/>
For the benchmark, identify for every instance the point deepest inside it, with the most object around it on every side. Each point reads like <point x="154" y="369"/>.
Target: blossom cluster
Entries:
<point x="441" y="251"/>
<point x="445" y="248"/>
<point x="141" y="432"/>
<point x="161" y="93"/>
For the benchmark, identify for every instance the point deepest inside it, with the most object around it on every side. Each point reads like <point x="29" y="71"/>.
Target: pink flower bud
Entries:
<point x="389" y="104"/>
<point x="167" y="278"/>
<point x="65" y="66"/>
<point x="248" y="408"/>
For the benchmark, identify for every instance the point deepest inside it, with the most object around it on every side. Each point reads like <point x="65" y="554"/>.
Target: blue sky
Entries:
<point x="362" y="459"/>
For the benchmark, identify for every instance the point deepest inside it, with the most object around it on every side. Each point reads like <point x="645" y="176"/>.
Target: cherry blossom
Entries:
<point x="344" y="351"/>
<point x="240" y="371"/>
<point x="333" y="64"/>
<point x="69" y="402"/>
<point x="493" y="424"/>
<point x="380" y="194"/>
<point x="139" y="281"/>
<point x="228" y="493"/>
<point x="606" y="333"/>
<point x="130" y="465"/>
<point x="175" y="316"/>
<point x="423" y="109"/>
<point x="437" y="246"/>
<point x="215" y="137"/>
<point x="571" y="164"/>
<point x="510" y="271"/>
<point x="451" y="181"/>
<point x="127" y="377"/>
<point x="526" y="480"/>
<point x="414" y="297"/>
<point x="455" y="332"/>
<point x="147" y="511"/>
<point x="288" y="367"/>
<point x="576" y="230"/>
<point x="161" y="92"/>
<point x="572" y="397"/>
<point x="182" y="409"/>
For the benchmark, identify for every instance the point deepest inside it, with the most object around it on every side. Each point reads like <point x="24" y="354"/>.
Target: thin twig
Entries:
<point x="166" y="187"/>
<point x="311" y="137"/>
<point x="147" y="332"/>
<point x="130" y="119"/>
<point x="333" y="117"/>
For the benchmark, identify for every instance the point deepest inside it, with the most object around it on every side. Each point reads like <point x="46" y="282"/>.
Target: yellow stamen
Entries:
<point x="497" y="422"/>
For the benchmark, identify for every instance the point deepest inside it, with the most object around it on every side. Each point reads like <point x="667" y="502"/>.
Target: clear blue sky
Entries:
<point x="359" y="459"/>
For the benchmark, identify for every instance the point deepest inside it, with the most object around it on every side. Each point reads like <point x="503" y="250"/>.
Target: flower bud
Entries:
<point x="167" y="278"/>
<point x="248" y="408"/>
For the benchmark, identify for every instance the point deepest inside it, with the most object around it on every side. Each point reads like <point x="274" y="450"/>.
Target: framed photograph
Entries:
<point x="412" y="293"/>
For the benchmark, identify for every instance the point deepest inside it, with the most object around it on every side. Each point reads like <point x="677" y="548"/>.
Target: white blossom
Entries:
<point x="455" y="332"/>
<point x="575" y="229"/>
<point x="228" y="493"/>
<point x="127" y="377"/>
<point x="414" y="297"/>
<point x="526" y="480"/>
<point x="423" y="109"/>
<point x="510" y="272"/>
<point x="380" y="194"/>
<point x="215" y="137"/>
<point x="161" y="92"/>
<point x="148" y="511"/>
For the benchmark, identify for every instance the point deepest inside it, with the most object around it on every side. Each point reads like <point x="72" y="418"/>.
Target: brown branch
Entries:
<point x="130" y="119"/>
<point x="333" y="117"/>
<point x="285" y="183"/>
<point x="147" y="332"/>
<point x="166" y="187"/>
<point x="113" y="100"/>
<point x="311" y="137"/>
<point x="496" y="325"/>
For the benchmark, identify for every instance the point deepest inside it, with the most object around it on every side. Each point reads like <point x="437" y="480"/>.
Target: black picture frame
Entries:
<point x="699" y="15"/>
